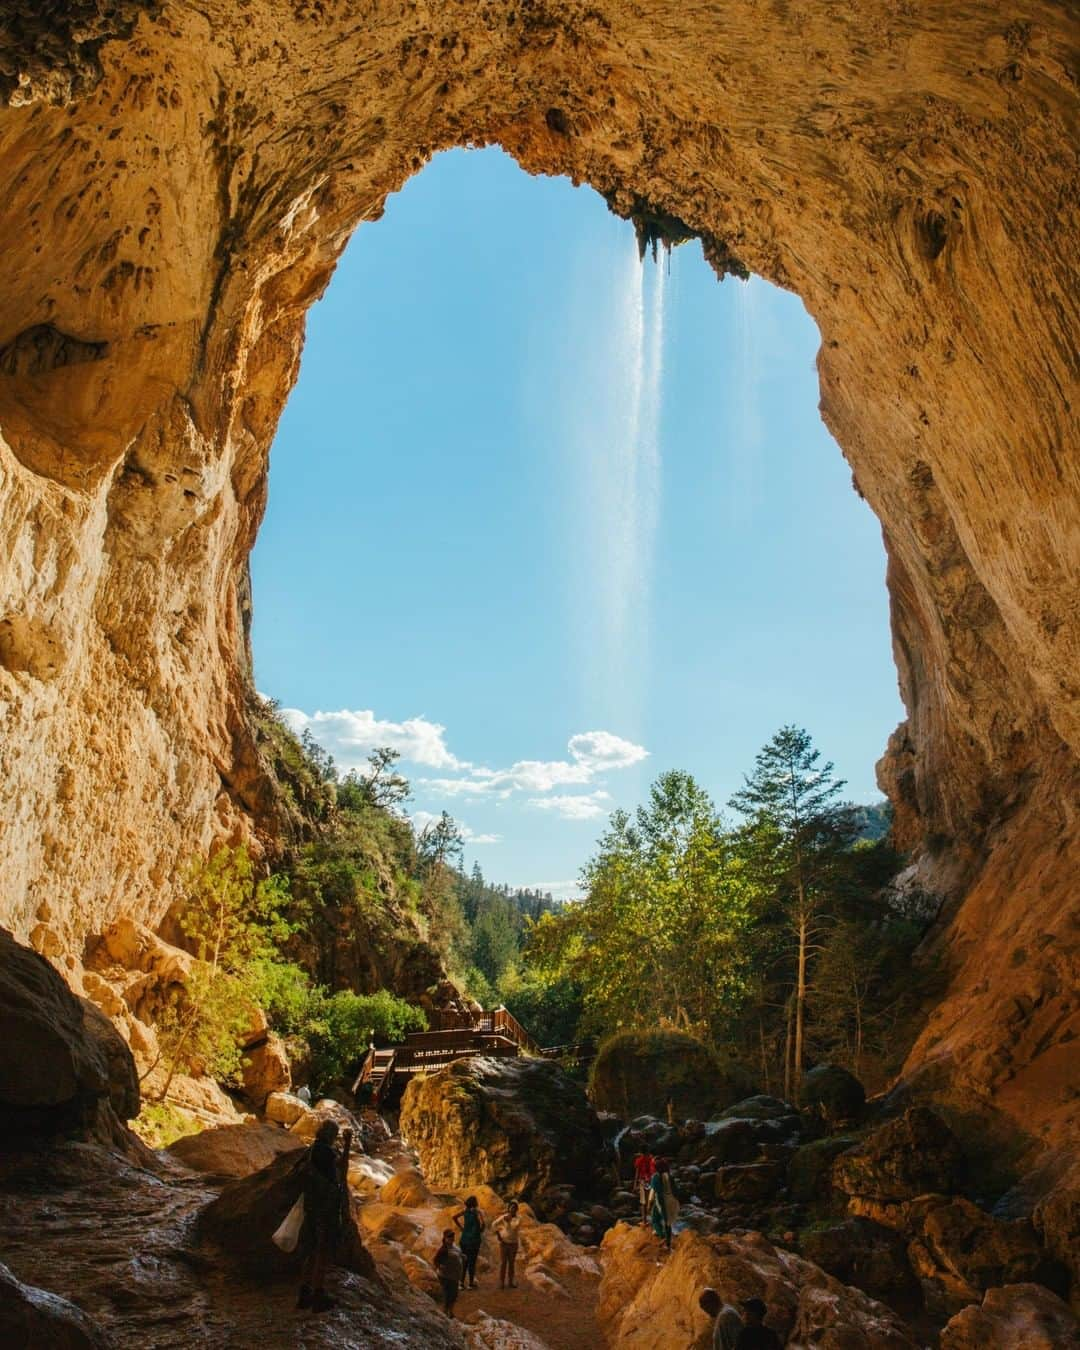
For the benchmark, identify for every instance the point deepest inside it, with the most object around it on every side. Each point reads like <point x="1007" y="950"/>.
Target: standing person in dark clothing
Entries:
<point x="450" y="1265"/>
<point x="470" y="1223"/>
<point x="323" y="1193"/>
<point x="756" y="1335"/>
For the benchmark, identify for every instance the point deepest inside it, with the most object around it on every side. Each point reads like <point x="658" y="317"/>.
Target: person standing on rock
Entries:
<point x="756" y="1335"/>
<point x="644" y="1167"/>
<point x="450" y="1265"/>
<point x="506" y="1228"/>
<point x="727" y="1324"/>
<point x="324" y="1181"/>
<point x="664" y="1209"/>
<point x="470" y="1223"/>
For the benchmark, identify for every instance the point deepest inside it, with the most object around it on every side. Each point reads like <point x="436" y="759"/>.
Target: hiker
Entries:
<point x="470" y="1223"/>
<point x="755" y="1335"/>
<point x="664" y="1208"/>
<point x="506" y="1228"/>
<point x="644" y="1167"/>
<point x="324" y="1178"/>
<point x="449" y="1263"/>
<point x="727" y="1324"/>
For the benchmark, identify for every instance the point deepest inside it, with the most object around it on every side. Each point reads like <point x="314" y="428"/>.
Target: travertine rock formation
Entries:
<point x="180" y="180"/>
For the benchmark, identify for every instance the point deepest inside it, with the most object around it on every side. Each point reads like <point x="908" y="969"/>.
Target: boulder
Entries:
<point x="809" y="1174"/>
<point x="1057" y="1219"/>
<point x="284" y="1108"/>
<point x="243" y="1218"/>
<point x="326" y="1108"/>
<point x="266" y="1070"/>
<point x="1015" y="1317"/>
<point x="635" y="1072"/>
<point x="865" y="1254"/>
<point x="915" y="1154"/>
<point x="760" y="1107"/>
<point x="64" y="1069"/>
<point x="748" y="1183"/>
<point x="234" y="1150"/>
<point x="652" y="1304"/>
<point x="834" y="1093"/>
<point x="958" y="1250"/>
<point x="519" y="1125"/>
<point x="33" y="1317"/>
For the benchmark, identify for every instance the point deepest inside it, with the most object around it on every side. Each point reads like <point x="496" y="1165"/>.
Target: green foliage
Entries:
<point x="343" y="1025"/>
<point x="662" y="935"/>
<point x="550" y="1006"/>
<point x="158" y="1124"/>
<point x="235" y="925"/>
<point x="636" y="1072"/>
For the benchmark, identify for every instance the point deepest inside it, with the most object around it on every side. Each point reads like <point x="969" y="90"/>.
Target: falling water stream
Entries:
<point x="627" y="480"/>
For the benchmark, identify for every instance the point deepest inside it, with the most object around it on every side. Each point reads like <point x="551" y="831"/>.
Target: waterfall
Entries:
<point x="626" y="482"/>
<point x="746" y="420"/>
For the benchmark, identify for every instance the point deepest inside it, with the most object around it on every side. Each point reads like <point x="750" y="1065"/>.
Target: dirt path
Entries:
<point x="561" y="1323"/>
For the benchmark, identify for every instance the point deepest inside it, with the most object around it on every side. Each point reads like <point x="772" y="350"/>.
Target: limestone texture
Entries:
<point x="234" y="1150"/>
<point x="651" y="1303"/>
<point x="521" y="1126"/>
<point x="181" y="179"/>
<point x="1016" y="1317"/>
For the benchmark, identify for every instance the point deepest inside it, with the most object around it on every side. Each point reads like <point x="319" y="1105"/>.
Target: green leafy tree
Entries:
<point x="661" y="934"/>
<point x="794" y="841"/>
<point x="233" y="924"/>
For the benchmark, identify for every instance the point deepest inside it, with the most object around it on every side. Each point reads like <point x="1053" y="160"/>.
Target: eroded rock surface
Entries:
<point x="521" y="1126"/>
<point x="182" y="179"/>
<point x="1016" y="1317"/>
<point x="653" y="1304"/>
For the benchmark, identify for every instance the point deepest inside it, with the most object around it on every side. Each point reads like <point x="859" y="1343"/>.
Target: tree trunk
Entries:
<point x="789" y="1043"/>
<point x="764" y="1058"/>
<point x="800" y="999"/>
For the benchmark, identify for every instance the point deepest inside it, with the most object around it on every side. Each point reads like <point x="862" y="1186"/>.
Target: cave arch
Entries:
<point x="182" y="180"/>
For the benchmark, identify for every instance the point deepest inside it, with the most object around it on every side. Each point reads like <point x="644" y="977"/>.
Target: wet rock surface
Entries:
<point x="33" y="1317"/>
<point x="520" y="1125"/>
<point x="122" y="1245"/>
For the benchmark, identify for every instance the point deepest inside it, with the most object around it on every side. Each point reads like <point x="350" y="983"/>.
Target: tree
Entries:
<point x="660" y="936"/>
<point x="793" y="840"/>
<point x="439" y="843"/>
<point x="234" y="924"/>
<point x="381" y="787"/>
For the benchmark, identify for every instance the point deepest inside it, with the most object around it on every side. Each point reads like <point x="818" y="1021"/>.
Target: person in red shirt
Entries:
<point x="644" y="1167"/>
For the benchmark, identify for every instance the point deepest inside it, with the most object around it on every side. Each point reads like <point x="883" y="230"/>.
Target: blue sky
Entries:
<point x="551" y="523"/>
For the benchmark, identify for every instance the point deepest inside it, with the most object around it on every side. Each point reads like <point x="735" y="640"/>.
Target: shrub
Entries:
<point x="635" y="1072"/>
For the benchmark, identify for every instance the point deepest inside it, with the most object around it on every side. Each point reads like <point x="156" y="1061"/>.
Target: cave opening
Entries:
<point x="530" y="486"/>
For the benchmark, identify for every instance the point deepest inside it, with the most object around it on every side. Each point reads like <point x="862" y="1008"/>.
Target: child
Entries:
<point x="450" y="1265"/>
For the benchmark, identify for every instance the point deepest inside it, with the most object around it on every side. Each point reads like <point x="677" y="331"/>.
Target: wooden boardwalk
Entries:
<point x="452" y="1035"/>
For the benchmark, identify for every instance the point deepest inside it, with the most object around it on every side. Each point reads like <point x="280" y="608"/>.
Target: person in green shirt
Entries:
<point x="470" y="1224"/>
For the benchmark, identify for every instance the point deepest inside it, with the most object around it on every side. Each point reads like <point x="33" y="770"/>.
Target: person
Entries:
<point x="449" y="1264"/>
<point x="470" y="1223"/>
<point x="664" y="1208"/>
<point x="727" y="1324"/>
<point x="506" y="1228"/>
<point x="755" y="1335"/>
<point x="644" y="1167"/>
<point x="323" y="1203"/>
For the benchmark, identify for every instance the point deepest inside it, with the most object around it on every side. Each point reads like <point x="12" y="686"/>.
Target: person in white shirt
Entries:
<point x="506" y="1228"/>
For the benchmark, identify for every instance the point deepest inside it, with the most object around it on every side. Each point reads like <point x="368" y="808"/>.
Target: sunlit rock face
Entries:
<point x="179" y="183"/>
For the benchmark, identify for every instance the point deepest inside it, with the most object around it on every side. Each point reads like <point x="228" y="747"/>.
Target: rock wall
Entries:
<point x="180" y="181"/>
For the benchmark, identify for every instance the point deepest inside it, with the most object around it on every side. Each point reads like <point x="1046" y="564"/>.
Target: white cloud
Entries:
<point x="580" y="806"/>
<point x="591" y="753"/>
<point x="350" y="736"/>
<point x="602" y="750"/>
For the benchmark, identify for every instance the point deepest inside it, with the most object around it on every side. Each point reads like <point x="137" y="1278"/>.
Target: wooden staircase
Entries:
<point x="452" y="1035"/>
